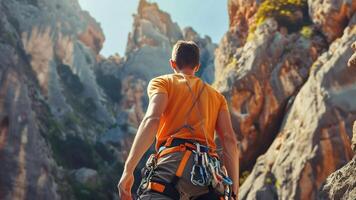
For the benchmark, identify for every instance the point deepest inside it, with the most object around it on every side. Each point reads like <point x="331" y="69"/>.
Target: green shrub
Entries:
<point x="306" y="32"/>
<point x="73" y="152"/>
<point x="284" y="12"/>
<point x="104" y="152"/>
<point x="89" y="106"/>
<point x="8" y="38"/>
<point x="82" y="191"/>
<point x="71" y="119"/>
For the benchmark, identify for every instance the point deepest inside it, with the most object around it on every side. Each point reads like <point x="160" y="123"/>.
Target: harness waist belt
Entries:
<point x="177" y="145"/>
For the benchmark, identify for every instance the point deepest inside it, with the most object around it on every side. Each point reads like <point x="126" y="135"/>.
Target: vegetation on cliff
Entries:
<point x="290" y="14"/>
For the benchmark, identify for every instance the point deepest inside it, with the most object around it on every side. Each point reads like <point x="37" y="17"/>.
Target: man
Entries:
<point x="182" y="108"/>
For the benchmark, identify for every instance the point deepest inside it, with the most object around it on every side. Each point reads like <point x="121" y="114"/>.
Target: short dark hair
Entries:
<point x="186" y="54"/>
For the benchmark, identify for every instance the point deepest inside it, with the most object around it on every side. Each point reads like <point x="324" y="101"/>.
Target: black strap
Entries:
<point x="169" y="189"/>
<point x="211" y="195"/>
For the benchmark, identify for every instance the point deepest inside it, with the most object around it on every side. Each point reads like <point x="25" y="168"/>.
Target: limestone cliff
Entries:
<point x="290" y="92"/>
<point x="67" y="114"/>
<point x="52" y="105"/>
<point x="262" y="75"/>
<point x="151" y="41"/>
<point x="341" y="184"/>
<point x="314" y="139"/>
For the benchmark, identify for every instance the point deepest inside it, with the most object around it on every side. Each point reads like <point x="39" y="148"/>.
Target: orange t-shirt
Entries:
<point x="180" y="100"/>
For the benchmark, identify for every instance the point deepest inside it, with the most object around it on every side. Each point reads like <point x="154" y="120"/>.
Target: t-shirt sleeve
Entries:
<point x="223" y="104"/>
<point x="157" y="85"/>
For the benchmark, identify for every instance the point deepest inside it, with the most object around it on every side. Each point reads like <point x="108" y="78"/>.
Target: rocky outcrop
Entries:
<point x="207" y="57"/>
<point x="258" y="84"/>
<point x="331" y="16"/>
<point x="352" y="60"/>
<point x="241" y="17"/>
<point x="151" y="41"/>
<point x="278" y="81"/>
<point x="26" y="169"/>
<point x="52" y="106"/>
<point x="314" y="139"/>
<point x="342" y="184"/>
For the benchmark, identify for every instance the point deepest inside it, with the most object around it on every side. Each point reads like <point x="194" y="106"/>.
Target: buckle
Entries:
<point x="182" y="147"/>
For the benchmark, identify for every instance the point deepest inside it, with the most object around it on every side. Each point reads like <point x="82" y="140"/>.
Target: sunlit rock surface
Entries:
<point x="151" y="40"/>
<point x="341" y="184"/>
<point x="315" y="137"/>
<point x="331" y="16"/>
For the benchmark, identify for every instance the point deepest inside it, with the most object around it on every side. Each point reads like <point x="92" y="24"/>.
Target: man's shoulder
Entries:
<point x="213" y="90"/>
<point x="163" y="77"/>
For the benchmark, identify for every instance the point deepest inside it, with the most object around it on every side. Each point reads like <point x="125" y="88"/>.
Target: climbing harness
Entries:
<point x="207" y="170"/>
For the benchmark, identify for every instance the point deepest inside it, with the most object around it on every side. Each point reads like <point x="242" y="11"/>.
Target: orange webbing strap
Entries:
<point x="182" y="147"/>
<point x="169" y="142"/>
<point x="183" y="163"/>
<point x="171" y="150"/>
<point x="158" y="187"/>
<point x="164" y="188"/>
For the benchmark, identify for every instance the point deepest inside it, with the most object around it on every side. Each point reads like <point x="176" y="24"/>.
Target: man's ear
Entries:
<point x="173" y="64"/>
<point x="197" y="68"/>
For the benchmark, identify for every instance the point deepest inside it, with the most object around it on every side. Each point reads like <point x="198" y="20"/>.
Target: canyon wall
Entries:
<point x="282" y="65"/>
<point x="68" y="115"/>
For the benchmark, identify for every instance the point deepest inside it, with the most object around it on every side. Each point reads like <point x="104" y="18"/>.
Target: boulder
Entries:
<point x="86" y="176"/>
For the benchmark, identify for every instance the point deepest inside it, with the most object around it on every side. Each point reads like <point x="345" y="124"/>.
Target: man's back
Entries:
<point x="203" y="115"/>
<point x="182" y="168"/>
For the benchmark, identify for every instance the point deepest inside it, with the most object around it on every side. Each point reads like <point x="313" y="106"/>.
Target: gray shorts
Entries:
<point x="166" y="168"/>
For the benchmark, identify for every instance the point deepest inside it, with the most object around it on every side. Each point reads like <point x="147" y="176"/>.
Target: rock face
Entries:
<point x="331" y="16"/>
<point x="87" y="176"/>
<point x="67" y="114"/>
<point x="259" y="80"/>
<point x="314" y="139"/>
<point x="51" y="105"/>
<point x="151" y="41"/>
<point x="289" y="93"/>
<point x="241" y="16"/>
<point x="26" y="169"/>
<point x="341" y="184"/>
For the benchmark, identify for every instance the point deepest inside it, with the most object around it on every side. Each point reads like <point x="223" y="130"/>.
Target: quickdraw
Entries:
<point x="207" y="171"/>
<point x="147" y="173"/>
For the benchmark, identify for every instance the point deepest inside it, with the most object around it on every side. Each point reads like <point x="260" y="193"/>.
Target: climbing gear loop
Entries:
<point x="207" y="171"/>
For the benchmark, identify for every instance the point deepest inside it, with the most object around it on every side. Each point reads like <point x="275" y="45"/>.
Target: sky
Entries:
<point x="207" y="17"/>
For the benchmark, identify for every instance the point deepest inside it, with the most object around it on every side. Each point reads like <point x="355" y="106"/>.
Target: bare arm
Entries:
<point x="143" y="140"/>
<point x="229" y="143"/>
<point x="146" y="131"/>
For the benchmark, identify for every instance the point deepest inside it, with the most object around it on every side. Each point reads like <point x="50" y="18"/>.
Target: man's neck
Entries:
<point x="189" y="72"/>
